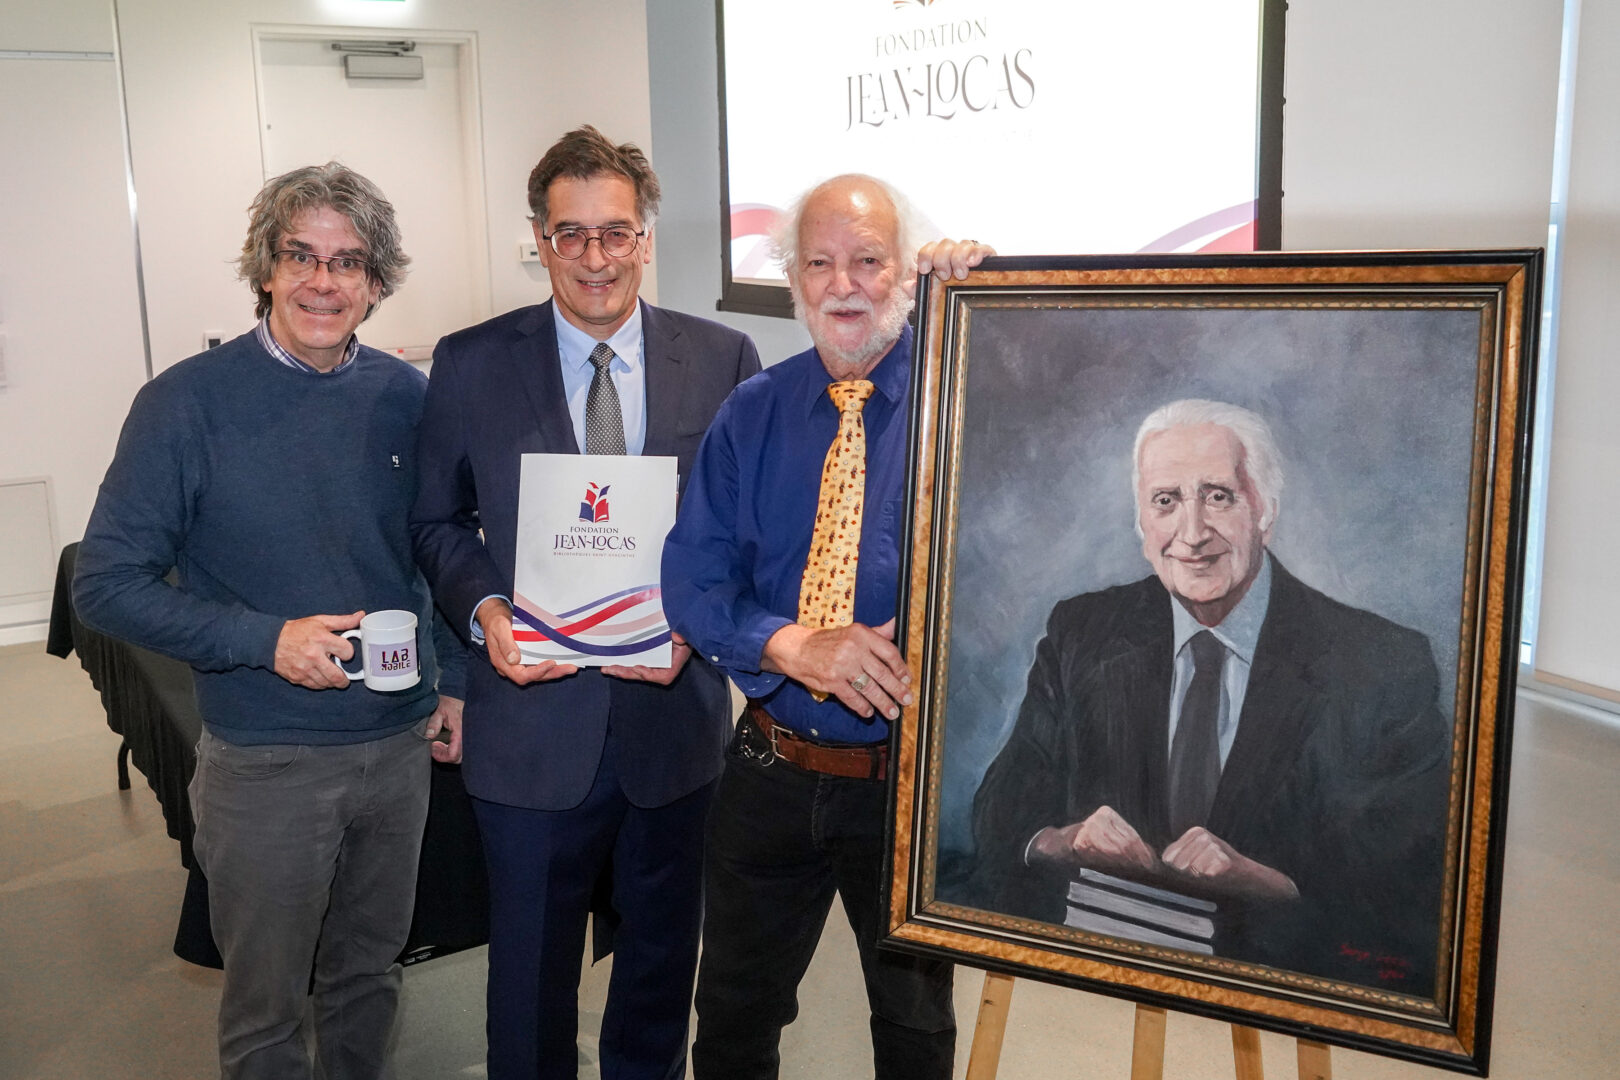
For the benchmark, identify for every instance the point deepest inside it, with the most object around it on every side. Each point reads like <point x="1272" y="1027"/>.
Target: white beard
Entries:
<point x="859" y="358"/>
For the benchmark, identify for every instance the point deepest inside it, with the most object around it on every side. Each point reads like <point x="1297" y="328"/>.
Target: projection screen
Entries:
<point x="1043" y="127"/>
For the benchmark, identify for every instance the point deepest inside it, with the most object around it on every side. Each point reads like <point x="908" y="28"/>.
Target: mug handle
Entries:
<point x="359" y="655"/>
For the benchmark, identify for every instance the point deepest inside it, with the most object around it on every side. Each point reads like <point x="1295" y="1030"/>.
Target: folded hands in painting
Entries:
<point x="1198" y="859"/>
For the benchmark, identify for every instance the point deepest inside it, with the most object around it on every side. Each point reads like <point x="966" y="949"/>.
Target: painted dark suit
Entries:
<point x="495" y="394"/>
<point x="1337" y="777"/>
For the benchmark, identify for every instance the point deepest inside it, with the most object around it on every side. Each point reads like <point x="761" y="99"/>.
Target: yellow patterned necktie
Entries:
<point x="827" y="591"/>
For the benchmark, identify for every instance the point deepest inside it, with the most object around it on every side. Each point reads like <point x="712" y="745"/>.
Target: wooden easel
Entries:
<point x="1147" y="1048"/>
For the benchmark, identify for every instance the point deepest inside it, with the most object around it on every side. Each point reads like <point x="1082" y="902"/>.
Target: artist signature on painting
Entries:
<point x="1387" y="968"/>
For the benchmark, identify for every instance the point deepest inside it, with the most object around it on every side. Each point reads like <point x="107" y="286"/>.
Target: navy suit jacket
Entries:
<point x="1338" y="777"/>
<point x="496" y="393"/>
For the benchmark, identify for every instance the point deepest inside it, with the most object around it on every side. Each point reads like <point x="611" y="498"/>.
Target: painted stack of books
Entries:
<point x="1103" y="904"/>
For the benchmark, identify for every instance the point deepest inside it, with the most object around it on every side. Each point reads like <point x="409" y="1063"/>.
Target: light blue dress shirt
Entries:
<point x="1239" y="632"/>
<point x="628" y="371"/>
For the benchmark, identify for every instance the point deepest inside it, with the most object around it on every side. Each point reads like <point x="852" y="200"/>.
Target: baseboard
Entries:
<point x="24" y="633"/>
<point x="1571" y="694"/>
<point x="1547" y="680"/>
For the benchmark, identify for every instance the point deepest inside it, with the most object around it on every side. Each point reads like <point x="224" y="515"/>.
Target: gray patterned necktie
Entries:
<point x="604" y="423"/>
<point x="1195" y="754"/>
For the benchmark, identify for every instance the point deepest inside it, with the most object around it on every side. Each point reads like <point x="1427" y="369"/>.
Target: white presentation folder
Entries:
<point x="590" y="539"/>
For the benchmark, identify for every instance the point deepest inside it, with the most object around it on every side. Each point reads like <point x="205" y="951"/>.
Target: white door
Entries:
<point x="417" y="140"/>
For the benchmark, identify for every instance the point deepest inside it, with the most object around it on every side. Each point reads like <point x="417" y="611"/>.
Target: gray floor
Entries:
<point x="90" y="883"/>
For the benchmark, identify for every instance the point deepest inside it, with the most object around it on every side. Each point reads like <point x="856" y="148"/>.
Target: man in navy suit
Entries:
<point x="577" y="776"/>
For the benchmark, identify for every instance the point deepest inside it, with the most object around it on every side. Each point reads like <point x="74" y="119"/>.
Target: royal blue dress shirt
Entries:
<point x="734" y="561"/>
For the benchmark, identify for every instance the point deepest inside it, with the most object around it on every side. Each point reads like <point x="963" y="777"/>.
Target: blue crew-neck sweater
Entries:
<point x="276" y="494"/>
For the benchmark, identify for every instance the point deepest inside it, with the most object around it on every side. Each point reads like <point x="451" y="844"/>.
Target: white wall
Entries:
<point x="60" y="26"/>
<point x="1579" y="638"/>
<point x="1413" y="125"/>
<point x="73" y="354"/>
<point x="1431" y="125"/>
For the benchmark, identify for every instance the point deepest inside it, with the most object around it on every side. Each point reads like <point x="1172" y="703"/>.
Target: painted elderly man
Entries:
<point x="1221" y="729"/>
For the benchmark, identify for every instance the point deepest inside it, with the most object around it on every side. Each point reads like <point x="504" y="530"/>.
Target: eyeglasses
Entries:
<point x="617" y="240"/>
<point x="298" y="265"/>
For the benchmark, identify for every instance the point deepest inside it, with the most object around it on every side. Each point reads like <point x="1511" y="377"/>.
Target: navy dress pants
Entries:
<point x="543" y="866"/>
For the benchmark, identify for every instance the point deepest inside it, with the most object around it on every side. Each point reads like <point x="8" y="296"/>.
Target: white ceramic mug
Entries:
<point x="385" y="647"/>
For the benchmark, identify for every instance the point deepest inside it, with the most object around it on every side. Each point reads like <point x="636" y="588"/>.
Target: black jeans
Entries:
<point x="780" y="842"/>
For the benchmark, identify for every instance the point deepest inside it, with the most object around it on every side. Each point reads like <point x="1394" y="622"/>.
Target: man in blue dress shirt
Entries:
<point x="799" y="812"/>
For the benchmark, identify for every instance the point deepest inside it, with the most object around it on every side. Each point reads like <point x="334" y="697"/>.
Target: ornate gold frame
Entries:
<point x="1450" y="1028"/>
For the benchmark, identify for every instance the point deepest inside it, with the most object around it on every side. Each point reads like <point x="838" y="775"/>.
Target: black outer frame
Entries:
<point x="746" y="298"/>
<point x="1507" y="659"/>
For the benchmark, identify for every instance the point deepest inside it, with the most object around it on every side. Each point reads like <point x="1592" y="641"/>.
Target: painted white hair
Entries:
<point x="1261" y="461"/>
<point x="784" y="240"/>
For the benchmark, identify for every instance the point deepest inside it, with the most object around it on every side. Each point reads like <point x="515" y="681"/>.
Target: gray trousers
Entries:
<point x="311" y="854"/>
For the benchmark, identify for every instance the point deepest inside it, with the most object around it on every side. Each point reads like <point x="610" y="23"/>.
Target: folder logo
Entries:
<point x="593" y="509"/>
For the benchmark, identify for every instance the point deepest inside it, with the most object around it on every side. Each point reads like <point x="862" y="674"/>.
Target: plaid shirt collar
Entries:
<point x="273" y="347"/>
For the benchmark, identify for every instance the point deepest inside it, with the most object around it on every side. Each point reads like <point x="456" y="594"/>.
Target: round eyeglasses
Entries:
<point x="617" y="240"/>
<point x="298" y="265"/>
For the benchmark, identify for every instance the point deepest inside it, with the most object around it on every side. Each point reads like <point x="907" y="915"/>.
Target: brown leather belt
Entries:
<point x="864" y="762"/>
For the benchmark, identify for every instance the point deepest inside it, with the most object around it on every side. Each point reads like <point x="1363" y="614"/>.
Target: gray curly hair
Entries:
<point x="278" y="205"/>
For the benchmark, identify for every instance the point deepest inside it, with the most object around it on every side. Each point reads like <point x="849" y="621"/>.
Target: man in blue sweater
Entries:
<point x="274" y="474"/>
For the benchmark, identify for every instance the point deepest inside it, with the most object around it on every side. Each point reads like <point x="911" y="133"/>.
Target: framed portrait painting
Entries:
<point x="1212" y="598"/>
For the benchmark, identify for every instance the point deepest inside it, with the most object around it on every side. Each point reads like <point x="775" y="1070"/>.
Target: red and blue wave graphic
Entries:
<point x="754" y="220"/>
<point x="619" y="624"/>
<point x="1231" y="229"/>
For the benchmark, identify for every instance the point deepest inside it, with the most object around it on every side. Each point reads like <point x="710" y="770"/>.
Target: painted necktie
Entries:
<point x="827" y="590"/>
<point x="604" y="423"/>
<point x="1195" y="754"/>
